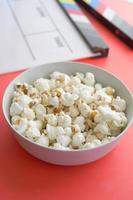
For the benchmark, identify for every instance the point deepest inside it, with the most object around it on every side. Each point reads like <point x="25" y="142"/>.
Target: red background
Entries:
<point x="23" y="177"/>
<point x="125" y="13"/>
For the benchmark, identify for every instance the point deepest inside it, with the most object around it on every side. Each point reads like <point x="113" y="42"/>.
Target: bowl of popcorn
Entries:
<point x="67" y="113"/>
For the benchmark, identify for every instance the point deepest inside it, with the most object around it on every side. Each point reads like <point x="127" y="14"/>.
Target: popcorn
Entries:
<point x="32" y="91"/>
<point x="22" y="88"/>
<point x="52" y="119"/>
<point x="86" y="96"/>
<point x="32" y="133"/>
<point x="119" y="104"/>
<point x="58" y="146"/>
<point x="80" y="121"/>
<point x="54" y="101"/>
<point x="76" y="128"/>
<point x="42" y="84"/>
<point x="43" y="140"/>
<point x="92" y="144"/>
<point x="64" y="140"/>
<point x="24" y="100"/>
<point x="20" y="124"/>
<point x="80" y="76"/>
<point x="40" y="111"/>
<point x="68" y="112"/>
<point x="64" y="120"/>
<point x="45" y="100"/>
<point x="101" y="94"/>
<point x="78" y="140"/>
<point x="37" y="124"/>
<point x="84" y="109"/>
<point x="68" y="99"/>
<point x="98" y="86"/>
<point x="51" y="132"/>
<point x="90" y="138"/>
<point x="88" y="145"/>
<point x="89" y="79"/>
<point x="73" y="111"/>
<point x="110" y="91"/>
<point x="97" y="117"/>
<point x="61" y="77"/>
<point x="75" y="81"/>
<point x="68" y="131"/>
<point x="102" y="127"/>
<point x="28" y="113"/>
<point x="15" y="109"/>
<point x="59" y="131"/>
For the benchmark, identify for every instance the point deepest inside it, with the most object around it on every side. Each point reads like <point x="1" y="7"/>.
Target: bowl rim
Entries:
<point x="65" y="150"/>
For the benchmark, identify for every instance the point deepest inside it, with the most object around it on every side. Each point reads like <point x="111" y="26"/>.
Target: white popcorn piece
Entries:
<point x="16" y="94"/>
<point x="15" y="120"/>
<point x="68" y="131"/>
<point x="107" y="113"/>
<point x="75" y="81"/>
<point x="58" y="146"/>
<point x="54" y="101"/>
<point x="90" y="138"/>
<point x="107" y="139"/>
<point x="121" y="120"/>
<point x="20" y="124"/>
<point x="106" y="99"/>
<point x="98" y="117"/>
<point x="24" y="100"/>
<point x="32" y="91"/>
<point x="36" y="123"/>
<point x="80" y="76"/>
<point x="45" y="100"/>
<point x="98" y="86"/>
<point x="51" y="132"/>
<point x="64" y="120"/>
<point x="52" y="119"/>
<point x="77" y="140"/>
<point x="40" y="111"/>
<point x="28" y="113"/>
<point x="86" y="96"/>
<point x="88" y="145"/>
<point x="96" y="142"/>
<point x="76" y="128"/>
<point x="80" y="120"/>
<point x="85" y="134"/>
<point x="22" y="88"/>
<point x="68" y="99"/>
<point x="43" y="140"/>
<point x="102" y="127"/>
<point x="32" y="133"/>
<point x="119" y="104"/>
<point x="52" y="83"/>
<point x="59" y="131"/>
<point x="15" y="109"/>
<point x="92" y="144"/>
<point x="61" y="77"/>
<point x="39" y="124"/>
<point x="84" y="109"/>
<point x="73" y="111"/>
<point x="64" y="140"/>
<point x="42" y="84"/>
<point x="89" y="79"/>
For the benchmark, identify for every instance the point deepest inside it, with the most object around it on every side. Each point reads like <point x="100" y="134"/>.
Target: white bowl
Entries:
<point x="72" y="157"/>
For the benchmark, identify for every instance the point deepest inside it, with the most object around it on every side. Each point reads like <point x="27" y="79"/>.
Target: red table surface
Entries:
<point x="23" y="177"/>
